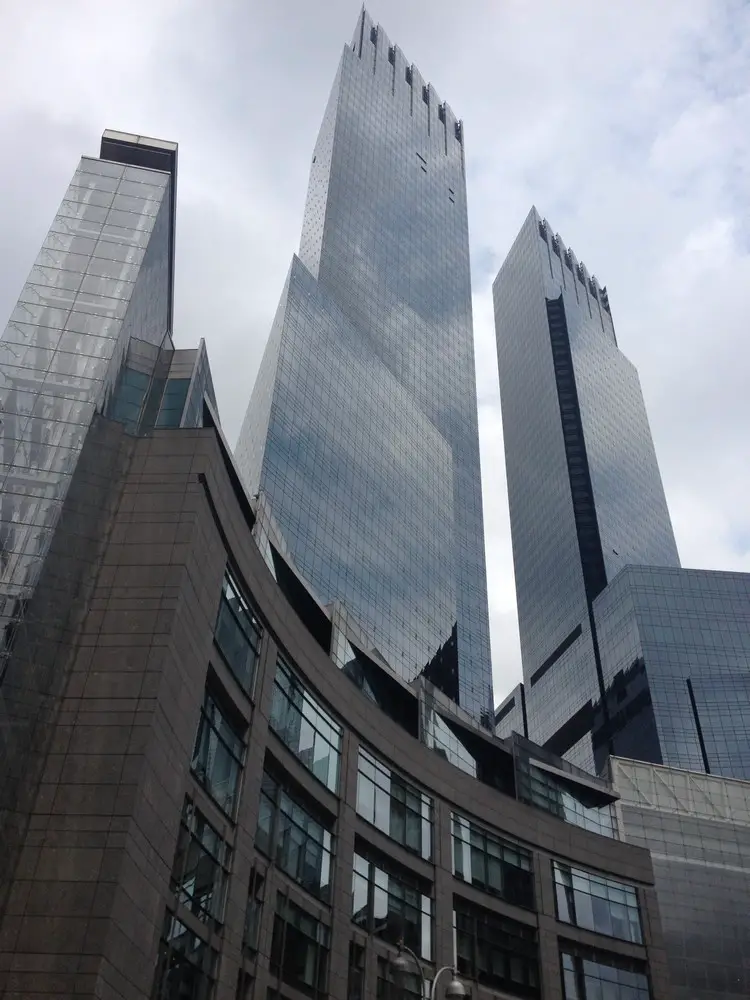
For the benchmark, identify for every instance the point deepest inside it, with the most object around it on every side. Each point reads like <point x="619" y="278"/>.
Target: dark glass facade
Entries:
<point x="675" y="648"/>
<point x="697" y="828"/>
<point x="623" y="652"/>
<point x="584" y="488"/>
<point x="362" y="427"/>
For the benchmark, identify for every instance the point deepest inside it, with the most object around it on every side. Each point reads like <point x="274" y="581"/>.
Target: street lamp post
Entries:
<point x="453" y="991"/>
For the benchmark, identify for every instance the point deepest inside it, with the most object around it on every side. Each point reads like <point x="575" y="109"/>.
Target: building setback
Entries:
<point x="623" y="651"/>
<point x="361" y="432"/>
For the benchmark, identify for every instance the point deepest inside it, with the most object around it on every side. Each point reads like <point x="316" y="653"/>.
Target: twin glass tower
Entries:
<point x="361" y="431"/>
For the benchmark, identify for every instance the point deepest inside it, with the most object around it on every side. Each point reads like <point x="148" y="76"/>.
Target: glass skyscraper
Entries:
<point x="584" y="488"/>
<point x="623" y="651"/>
<point x="90" y="337"/>
<point x="361" y="432"/>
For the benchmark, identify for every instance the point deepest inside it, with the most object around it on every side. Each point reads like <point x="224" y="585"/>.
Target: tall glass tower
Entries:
<point x="362" y="427"/>
<point x="585" y="493"/>
<point x="86" y="357"/>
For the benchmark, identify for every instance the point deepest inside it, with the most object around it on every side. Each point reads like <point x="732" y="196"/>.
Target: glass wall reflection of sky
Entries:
<point x="362" y="427"/>
<point x="102" y="270"/>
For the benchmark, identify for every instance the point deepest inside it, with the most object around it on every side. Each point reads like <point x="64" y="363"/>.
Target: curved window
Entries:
<point x="492" y="864"/>
<point x="299" y="949"/>
<point x="496" y="951"/>
<point x="392" y="906"/>
<point x="393" y="805"/>
<point x="218" y="755"/>
<point x="593" y="975"/>
<point x="300" y="844"/>
<point x="238" y="633"/>
<point x="597" y="904"/>
<point x="301" y="722"/>
<point x="201" y="867"/>
<point x="186" y="965"/>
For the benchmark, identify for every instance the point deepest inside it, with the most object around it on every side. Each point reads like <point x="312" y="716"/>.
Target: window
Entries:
<point x="394" y="806"/>
<point x="238" y="633"/>
<point x="186" y="965"/>
<point x="218" y="754"/>
<point x="253" y="912"/>
<point x="392" y="906"/>
<point x="590" y="974"/>
<point x="128" y="397"/>
<point x="492" y="864"/>
<point x="299" y="948"/>
<point x="244" y="988"/>
<point x="496" y="951"/>
<point x="201" y="867"/>
<point x="300" y="844"/>
<point x="545" y="791"/>
<point x="356" y="990"/>
<point x="596" y="903"/>
<point x="173" y="402"/>
<point x="305" y="727"/>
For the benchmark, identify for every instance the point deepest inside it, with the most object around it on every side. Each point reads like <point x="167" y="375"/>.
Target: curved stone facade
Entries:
<point x="223" y="813"/>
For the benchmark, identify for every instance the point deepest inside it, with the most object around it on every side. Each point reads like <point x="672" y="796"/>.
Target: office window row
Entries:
<point x="393" y="805"/>
<point x="393" y="905"/>
<point x="597" y="903"/>
<point x="490" y="863"/>
<point x="300" y="843"/>
<point x="306" y="728"/>
<point x="238" y="633"/>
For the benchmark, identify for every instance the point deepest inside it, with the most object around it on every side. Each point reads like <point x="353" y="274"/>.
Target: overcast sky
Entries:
<point x="627" y="123"/>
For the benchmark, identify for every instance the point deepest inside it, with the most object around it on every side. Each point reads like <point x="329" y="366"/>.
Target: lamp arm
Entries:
<point x="438" y="974"/>
<point x="407" y="949"/>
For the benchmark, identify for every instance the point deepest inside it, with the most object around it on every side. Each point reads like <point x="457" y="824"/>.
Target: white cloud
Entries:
<point x="626" y="123"/>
